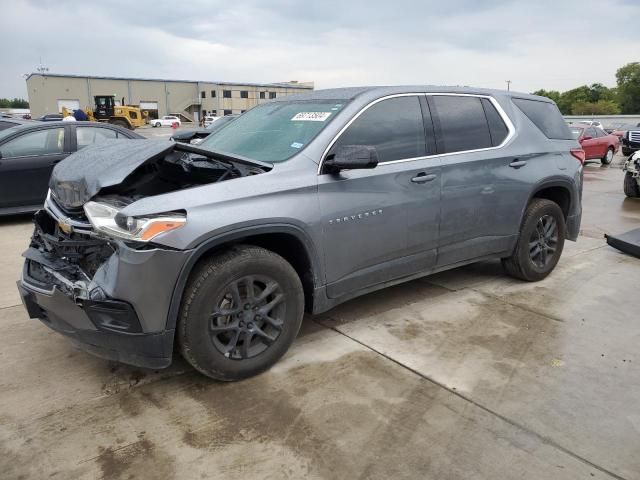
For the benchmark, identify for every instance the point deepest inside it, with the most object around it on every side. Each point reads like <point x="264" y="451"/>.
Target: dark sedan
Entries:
<point x="196" y="136"/>
<point x="29" y="151"/>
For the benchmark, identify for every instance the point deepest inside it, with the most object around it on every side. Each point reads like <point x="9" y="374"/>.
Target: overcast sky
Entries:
<point x="555" y="44"/>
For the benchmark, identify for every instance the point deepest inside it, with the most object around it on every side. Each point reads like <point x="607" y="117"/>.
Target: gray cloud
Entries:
<point x="535" y="44"/>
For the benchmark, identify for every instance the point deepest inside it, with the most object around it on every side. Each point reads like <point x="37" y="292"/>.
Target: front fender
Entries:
<point x="236" y="233"/>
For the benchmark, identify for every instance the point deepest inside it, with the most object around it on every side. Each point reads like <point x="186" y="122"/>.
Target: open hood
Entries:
<point x="82" y="175"/>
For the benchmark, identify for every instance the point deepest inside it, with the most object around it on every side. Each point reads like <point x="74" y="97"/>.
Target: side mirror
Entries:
<point x="586" y="137"/>
<point x="350" y="157"/>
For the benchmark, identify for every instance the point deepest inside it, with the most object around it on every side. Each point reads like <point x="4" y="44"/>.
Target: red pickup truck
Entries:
<point x="596" y="143"/>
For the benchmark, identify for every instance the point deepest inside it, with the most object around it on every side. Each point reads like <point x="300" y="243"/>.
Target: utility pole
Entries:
<point x="508" y="85"/>
<point x="41" y="68"/>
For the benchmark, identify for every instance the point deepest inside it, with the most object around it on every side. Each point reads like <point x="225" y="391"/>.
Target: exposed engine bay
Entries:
<point x="177" y="170"/>
<point x="141" y="168"/>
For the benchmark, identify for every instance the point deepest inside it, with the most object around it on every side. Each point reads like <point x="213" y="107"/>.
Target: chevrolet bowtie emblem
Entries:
<point x="65" y="227"/>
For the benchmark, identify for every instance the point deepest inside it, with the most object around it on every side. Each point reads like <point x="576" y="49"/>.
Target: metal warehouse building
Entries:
<point x="48" y="93"/>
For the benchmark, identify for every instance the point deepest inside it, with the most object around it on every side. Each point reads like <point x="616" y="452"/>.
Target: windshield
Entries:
<point x="273" y="132"/>
<point x="576" y="132"/>
<point x="218" y="124"/>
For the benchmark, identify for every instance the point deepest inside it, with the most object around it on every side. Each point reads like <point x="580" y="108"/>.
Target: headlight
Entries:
<point x="107" y="219"/>
<point x="196" y="141"/>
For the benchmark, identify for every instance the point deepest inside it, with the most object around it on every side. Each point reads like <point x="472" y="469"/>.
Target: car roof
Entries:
<point x="35" y="125"/>
<point x="351" y="93"/>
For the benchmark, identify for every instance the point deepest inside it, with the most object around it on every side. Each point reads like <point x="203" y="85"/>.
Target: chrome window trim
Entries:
<point x="505" y="118"/>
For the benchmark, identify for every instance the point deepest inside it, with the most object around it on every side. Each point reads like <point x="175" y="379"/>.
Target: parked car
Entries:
<point x="619" y="129"/>
<point x="299" y="204"/>
<point x="28" y="153"/>
<point x="196" y="136"/>
<point x="166" y="121"/>
<point x="51" y="117"/>
<point x="13" y="122"/>
<point x="208" y="120"/>
<point x="631" y="169"/>
<point x="631" y="140"/>
<point x="596" y="143"/>
<point x="589" y="123"/>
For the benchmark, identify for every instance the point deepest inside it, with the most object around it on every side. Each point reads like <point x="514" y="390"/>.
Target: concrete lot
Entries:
<point x="465" y="374"/>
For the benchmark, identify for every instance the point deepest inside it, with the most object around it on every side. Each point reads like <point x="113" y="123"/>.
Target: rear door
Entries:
<point x="368" y="236"/>
<point x="26" y="164"/>
<point x="603" y="142"/>
<point x="482" y="194"/>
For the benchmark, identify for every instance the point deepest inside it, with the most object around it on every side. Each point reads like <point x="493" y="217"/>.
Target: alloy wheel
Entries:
<point x="247" y="317"/>
<point x="543" y="241"/>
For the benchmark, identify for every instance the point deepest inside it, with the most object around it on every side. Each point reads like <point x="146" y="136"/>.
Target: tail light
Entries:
<point x="579" y="154"/>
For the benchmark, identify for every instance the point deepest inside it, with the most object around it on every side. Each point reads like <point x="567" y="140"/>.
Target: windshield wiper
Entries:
<point x="223" y="157"/>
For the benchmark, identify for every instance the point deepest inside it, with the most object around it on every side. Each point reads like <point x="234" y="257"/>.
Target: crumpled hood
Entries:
<point x="82" y="175"/>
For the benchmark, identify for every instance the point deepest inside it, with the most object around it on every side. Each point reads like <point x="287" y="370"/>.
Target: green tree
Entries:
<point x="601" y="107"/>
<point x="628" y="78"/>
<point x="15" y="103"/>
<point x="19" y="103"/>
<point x="575" y="95"/>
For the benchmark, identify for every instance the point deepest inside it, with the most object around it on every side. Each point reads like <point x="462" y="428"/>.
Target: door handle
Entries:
<point x="424" y="178"/>
<point x="518" y="163"/>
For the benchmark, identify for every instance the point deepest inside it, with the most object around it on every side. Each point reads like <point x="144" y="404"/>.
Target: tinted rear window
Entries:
<point x="497" y="127"/>
<point x="463" y="123"/>
<point x="546" y="117"/>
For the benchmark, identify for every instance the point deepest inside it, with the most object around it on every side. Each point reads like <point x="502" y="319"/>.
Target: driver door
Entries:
<point x="381" y="224"/>
<point x="26" y="165"/>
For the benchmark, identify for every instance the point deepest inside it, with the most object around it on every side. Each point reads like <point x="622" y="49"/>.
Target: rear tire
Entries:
<point x="608" y="157"/>
<point x="540" y="242"/>
<point x="631" y="187"/>
<point x="240" y="312"/>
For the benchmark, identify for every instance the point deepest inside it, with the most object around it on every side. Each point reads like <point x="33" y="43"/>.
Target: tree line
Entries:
<point x="597" y="99"/>
<point x="15" y="103"/>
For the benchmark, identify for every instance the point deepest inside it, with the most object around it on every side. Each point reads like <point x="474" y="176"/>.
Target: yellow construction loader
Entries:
<point x="106" y="110"/>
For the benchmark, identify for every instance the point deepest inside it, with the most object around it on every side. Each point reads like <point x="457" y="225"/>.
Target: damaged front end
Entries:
<point x="102" y="277"/>
<point x="111" y="297"/>
<point x="632" y="166"/>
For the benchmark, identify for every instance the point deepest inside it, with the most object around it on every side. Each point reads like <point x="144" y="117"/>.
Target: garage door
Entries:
<point x="148" y="105"/>
<point x="69" y="104"/>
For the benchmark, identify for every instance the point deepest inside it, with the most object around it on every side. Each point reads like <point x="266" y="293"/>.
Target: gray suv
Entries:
<point x="298" y="205"/>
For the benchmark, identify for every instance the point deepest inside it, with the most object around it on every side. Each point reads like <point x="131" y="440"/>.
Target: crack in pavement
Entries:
<point x="546" y="440"/>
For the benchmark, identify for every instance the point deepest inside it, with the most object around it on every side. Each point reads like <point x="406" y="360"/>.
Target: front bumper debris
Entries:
<point x="110" y="298"/>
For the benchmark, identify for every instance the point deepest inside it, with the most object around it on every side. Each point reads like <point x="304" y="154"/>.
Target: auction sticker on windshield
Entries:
<point x="311" y="116"/>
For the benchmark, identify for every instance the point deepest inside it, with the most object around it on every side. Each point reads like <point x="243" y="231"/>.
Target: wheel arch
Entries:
<point x="288" y="241"/>
<point x="561" y="191"/>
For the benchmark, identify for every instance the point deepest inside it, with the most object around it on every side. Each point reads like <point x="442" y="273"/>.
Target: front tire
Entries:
<point x="540" y="242"/>
<point x="608" y="157"/>
<point x="240" y="312"/>
<point x="626" y="151"/>
<point x="631" y="187"/>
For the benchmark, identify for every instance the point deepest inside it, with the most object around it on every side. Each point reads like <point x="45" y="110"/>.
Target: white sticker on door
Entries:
<point x="310" y="116"/>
